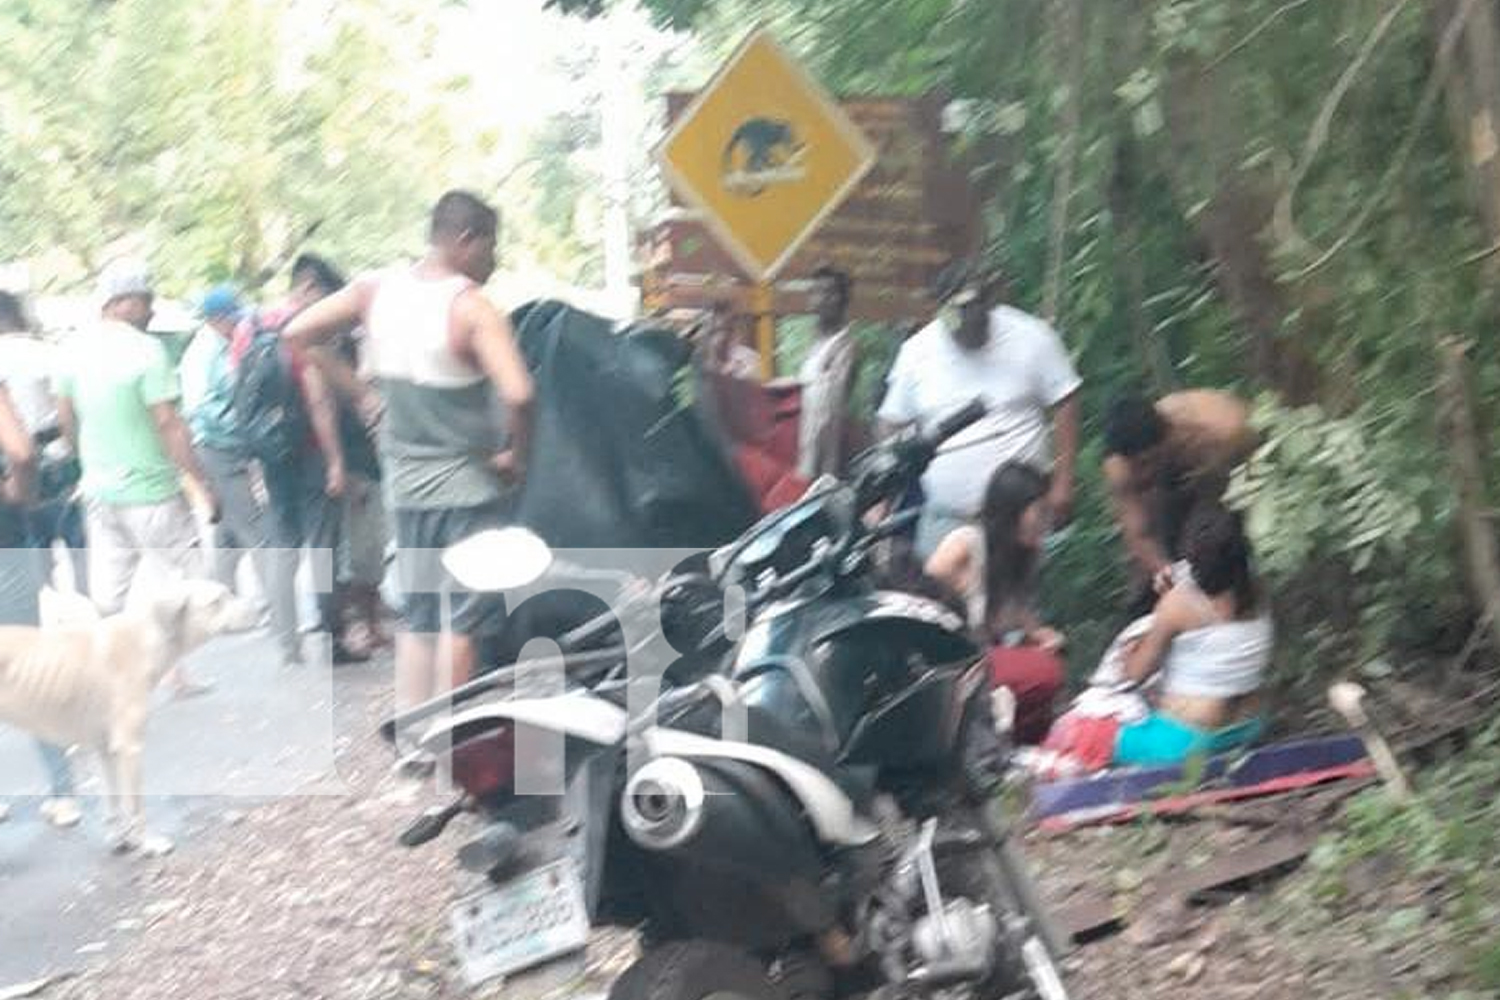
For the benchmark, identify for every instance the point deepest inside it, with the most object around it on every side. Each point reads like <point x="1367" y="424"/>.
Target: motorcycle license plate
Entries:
<point x="528" y="920"/>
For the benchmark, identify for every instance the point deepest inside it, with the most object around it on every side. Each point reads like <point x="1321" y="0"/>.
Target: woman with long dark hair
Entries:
<point x="1210" y="642"/>
<point x="993" y="566"/>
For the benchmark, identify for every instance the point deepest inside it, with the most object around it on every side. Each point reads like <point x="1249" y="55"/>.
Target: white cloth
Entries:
<point x="1021" y="373"/>
<point x="825" y="378"/>
<point x="29" y="364"/>
<point x="407" y="330"/>
<point x="743" y="363"/>
<point x="1109" y="694"/>
<point x="1222" y="659"/>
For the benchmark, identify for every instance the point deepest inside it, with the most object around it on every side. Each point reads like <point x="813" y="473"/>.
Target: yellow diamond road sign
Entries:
<point x="764" y="153"/>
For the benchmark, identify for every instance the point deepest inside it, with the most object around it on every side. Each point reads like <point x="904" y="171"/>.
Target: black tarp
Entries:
<point x="621" y="456"/>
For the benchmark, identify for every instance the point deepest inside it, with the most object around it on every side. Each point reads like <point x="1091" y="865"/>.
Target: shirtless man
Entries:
<point x="1164" y="458"/>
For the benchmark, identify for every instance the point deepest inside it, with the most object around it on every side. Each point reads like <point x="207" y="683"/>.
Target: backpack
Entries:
<point x="266" y="399"/>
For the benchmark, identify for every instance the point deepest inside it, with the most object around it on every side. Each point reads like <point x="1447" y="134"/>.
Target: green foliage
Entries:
<point x="214" y="134"/>
<point x="1349" y="529"/>
<point x="1083" y="579"/>
<point x="1316" y="490"/>
<point x="1194" y="115"/>
<point x="187" y="132"/>
<point x="877" y="345"/>
<point x="1448" y="834"/>
<point x="211" y="137"/>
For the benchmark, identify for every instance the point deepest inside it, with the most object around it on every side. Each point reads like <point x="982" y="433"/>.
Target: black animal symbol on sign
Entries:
<point x="762" y="152"/>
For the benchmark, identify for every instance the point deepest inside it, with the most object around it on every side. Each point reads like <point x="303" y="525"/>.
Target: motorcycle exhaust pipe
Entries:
<point x="662" y="806"/>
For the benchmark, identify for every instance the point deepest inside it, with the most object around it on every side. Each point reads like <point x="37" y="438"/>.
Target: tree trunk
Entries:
<point x="1124" y="197"/>
<point x="1066" y="32"/>
<point x="1473" y="93"/>
<point x="1458" y="429"/>
<point x="1233" y="226"/>
<point x="1125" y="194"/>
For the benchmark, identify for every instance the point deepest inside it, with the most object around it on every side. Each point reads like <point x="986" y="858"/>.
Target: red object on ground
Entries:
<point x="1088" y="742"/>
<point x="1034" y="676"/>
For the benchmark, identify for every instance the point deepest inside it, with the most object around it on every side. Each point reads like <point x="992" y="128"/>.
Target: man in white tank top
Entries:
<point x="440" y="353"/>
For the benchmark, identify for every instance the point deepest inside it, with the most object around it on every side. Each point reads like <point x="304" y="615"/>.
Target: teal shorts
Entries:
<point x="1160" y="739"/>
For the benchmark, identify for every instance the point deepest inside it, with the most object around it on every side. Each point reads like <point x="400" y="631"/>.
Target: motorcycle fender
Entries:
<point x="886" y="609"/>
<point x="576" y="715"/>
<point x="831" y="812"/>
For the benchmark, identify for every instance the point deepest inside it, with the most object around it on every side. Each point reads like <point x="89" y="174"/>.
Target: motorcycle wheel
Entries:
<point x="696" y="970"/>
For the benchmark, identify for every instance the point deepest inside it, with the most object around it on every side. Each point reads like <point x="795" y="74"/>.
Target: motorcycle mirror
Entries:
<point x="498" y="559"/>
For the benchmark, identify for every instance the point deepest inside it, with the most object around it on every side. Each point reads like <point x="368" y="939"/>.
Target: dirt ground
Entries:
<point x="313" y="898"/>
<point x="302" y="897"/>
<point x="1253" y="941"/>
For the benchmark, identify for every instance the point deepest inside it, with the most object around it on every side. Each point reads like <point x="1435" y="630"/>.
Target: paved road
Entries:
<point x="263" y="730"/>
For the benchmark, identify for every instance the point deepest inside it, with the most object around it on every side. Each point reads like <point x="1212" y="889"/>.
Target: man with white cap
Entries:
<point x="117" y="402"/>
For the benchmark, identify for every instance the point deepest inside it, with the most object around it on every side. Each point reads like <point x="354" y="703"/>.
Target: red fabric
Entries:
<point x="760" y="417"/>
<point x="787" y="491"/>
<point x="762" y="426"/>
<point x="773" y="484"/>
<point x="1034" y="676"/>
<point x="1087" y="742"/>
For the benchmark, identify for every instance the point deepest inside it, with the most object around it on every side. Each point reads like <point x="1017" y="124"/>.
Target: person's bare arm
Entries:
<point x="1144" y="657"/>
<point x="1133" y="518"/>
<point x="1065" y="442"/>
<point x="949" y="563"/>
<point x="320" y="322"/>
<point x="487" y="336"/>
<point x="178" y="444"/>
<point x="20" y="453"/>
<point x="322" y="410"/>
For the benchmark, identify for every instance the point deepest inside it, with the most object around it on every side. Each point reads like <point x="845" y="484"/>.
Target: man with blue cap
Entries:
<point x="207" y="375"/>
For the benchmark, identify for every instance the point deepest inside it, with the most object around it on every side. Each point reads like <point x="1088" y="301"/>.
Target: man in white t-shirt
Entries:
<point x="1012" y="361"/>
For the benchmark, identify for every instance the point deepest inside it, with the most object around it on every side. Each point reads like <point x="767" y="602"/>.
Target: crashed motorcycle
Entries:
<point x="811" y="819"/>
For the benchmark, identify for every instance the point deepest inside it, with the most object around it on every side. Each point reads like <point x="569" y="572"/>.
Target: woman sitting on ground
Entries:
<point x="993" y="567"/>
<point x="1210" y="643"/>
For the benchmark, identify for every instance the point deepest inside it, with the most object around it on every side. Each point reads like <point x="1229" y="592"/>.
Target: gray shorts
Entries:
<point x="362" y="542"/>
<point x="421" y="536"/>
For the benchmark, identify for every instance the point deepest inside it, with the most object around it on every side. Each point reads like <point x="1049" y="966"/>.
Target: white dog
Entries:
<point x="85" y="680"/>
